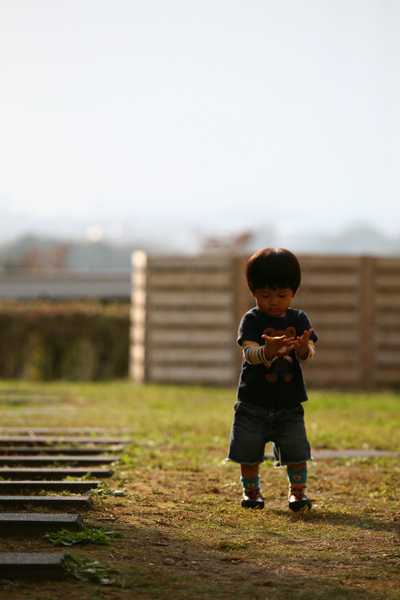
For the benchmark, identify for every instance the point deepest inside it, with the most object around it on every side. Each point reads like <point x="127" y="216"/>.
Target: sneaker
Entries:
<point x="298" y="500"/>
<point x="252" y="499"/>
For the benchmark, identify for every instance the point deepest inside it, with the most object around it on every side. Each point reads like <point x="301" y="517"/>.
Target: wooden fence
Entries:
<point x="185" y="313"/>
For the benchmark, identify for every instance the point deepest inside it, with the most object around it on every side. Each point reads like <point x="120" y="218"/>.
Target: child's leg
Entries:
<point x="250" y="479"/>
<point x="249" y="471"/>
<point x="292" y="448"/>
<point x="249" y="434"/>
<point x="297" y="475"/>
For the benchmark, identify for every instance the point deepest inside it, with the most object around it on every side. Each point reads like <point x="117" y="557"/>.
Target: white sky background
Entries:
<point x="210" y="114"/>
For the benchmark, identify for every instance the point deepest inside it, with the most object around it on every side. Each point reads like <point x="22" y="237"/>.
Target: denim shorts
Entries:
<point x="254" y="426"/>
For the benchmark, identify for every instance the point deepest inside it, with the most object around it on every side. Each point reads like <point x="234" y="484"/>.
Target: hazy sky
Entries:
<point x="217" y="114"/>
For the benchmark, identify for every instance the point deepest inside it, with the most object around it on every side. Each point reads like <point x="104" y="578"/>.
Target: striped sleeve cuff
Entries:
<point x="311" y="354"/>
<point x="253" y="353"/>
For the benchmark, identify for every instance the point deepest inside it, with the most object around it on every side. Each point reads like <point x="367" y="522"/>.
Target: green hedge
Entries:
<point x="76" y="341"/>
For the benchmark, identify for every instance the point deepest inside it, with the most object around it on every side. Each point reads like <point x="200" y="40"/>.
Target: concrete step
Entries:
<point x="60" y="460"/>
<point x="18" y="486"/>
<point x="36" y="523"/>
<point x="17" y="399"/>
<point x="60" y="502"/>
<point x="37" y="440"/>
<point x="54" y="450"/>
<point x="52" y="473"/>
<point x="35" y="566"/>
<point x="63" y="430"/>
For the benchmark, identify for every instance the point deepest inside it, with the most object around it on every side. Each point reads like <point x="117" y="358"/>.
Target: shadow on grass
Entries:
<point x="342" y="519"/>
<point x="164" y="562"/>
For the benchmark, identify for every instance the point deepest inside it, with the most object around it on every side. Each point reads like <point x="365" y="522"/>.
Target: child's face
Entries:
<point x="273" y="303"/>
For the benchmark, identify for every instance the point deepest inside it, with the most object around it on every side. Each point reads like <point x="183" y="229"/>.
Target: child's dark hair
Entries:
<point x="275" y="268"/>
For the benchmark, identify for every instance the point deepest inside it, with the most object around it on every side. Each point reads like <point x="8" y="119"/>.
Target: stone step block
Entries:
<point x="34" y="566"/>
<point x="34" y="487"/>
<point x="57" y="459"/>
<point x="19" y="399"/>
<point x="60" y="502"/>
<point x="36" y="523"/>
<point x="63" y="430"/>
<point x="52" y="473"/>
<point x="36" y="440"/>
<point x="54" y="450"/>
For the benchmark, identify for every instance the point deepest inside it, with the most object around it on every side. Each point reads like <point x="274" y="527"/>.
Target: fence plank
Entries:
<point x="211" y="356"/>
<point x="188" y="337"/>
<point x="183" y="374"/>
<point x="187" y="280"/>
<point x="191" y="317"/>
<point x="200" y="299"/>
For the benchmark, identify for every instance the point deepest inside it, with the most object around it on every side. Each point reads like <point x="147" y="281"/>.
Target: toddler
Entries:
<point x="276" y="341"/>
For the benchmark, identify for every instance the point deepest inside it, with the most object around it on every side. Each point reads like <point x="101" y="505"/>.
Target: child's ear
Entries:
<point x="294" y="293"/>
<point x="252" y="293"/>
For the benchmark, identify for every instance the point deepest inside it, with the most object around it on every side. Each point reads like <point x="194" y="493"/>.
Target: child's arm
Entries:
<point x="253" y="353"/>
<point x="256" y="354"/>
<point x="305" y="349"/>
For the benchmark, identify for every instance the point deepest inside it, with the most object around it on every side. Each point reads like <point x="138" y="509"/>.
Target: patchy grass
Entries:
<point x="85" y="536"/>
<point x="185" y="535"/>
<point x="85" y="570"/>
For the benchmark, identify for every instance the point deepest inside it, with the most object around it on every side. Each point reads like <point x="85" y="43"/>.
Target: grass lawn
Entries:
<point x="184" y="534"/>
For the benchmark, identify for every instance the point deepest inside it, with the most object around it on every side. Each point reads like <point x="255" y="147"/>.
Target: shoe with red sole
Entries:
<point x="252" y="499"/>
<point x="298" y="500"/>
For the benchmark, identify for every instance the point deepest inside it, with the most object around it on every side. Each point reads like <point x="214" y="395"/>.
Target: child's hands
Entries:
<point x="275" y="344"/>
<point x="302" y="344"/>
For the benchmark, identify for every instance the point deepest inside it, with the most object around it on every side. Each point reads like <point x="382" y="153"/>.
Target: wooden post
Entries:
<point x="137" y="366"/>
<point x="366" y="323"/>
<point x="241" y="295"/>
